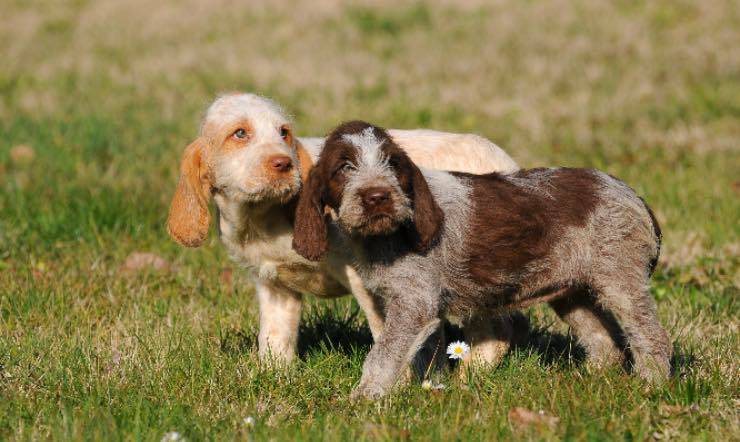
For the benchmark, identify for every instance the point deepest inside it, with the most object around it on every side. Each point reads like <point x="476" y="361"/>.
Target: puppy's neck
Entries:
<point x="383" y="249"/>
<point x="247" y="221"/>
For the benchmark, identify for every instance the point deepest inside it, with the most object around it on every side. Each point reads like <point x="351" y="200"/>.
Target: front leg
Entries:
<point x="370" y="304"/>
<point x="280" y="315"/>
<point x="430" y="358"/>
<point x="408" y="324"/>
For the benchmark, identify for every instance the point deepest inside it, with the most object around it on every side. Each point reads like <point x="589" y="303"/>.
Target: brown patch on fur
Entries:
<point x="515" y="226"/>
<point x="188" y="219"/>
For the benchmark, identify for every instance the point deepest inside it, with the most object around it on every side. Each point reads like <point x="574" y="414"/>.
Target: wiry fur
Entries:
<point x="372" y="170"/>
<point x="578" y="238"/>
<point x="255" y="206"/>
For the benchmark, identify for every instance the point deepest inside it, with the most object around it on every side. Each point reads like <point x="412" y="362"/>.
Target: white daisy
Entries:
<point x="249" y="421"/>
<point x="427" y="385"/>
<point x="457" y="350"/>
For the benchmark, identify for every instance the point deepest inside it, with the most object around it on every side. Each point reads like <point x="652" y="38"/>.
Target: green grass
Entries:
<point x="107" y="95"/>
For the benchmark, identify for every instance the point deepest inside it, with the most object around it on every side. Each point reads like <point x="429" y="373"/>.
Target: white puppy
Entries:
<point x="248" y="159"/>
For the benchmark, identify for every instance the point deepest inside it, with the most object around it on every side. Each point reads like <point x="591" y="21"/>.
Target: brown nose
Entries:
<point x="375" y="196"/>
<point x="281" y="163"/>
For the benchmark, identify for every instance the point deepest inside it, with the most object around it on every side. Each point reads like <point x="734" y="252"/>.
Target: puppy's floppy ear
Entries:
<point x="304" y="158"/>
<point x="311" y="224"/>
<point x="428" y="217"/>
<point x="188" y="218"/>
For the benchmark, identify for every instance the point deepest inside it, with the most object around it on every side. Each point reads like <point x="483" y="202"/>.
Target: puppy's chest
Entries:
<point x="399" y="277"/>
<point x="272" y="258"/>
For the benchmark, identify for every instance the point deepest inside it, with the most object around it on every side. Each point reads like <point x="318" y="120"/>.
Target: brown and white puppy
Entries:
<point x="466" y="247"/>
<point x="249" y="161"/>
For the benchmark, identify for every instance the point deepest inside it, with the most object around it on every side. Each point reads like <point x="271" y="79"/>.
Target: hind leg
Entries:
<point x="635" y="311"/>
<point x="489" y="339"/>
<point x="596" y="330"/>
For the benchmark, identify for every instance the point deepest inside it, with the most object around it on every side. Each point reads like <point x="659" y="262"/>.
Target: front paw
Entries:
<point x="368" y="391"/>
<point x="275" y="357"/>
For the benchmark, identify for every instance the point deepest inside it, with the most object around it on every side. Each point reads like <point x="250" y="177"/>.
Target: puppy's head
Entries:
<point x="246" y="151"/>
<point x="372" y="186"/>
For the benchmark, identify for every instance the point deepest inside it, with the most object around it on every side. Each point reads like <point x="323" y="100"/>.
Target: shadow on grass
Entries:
<point x="552" y="349"/>
<point x="682" y="361"/>
<point x="324" y="331"/>
<point x="235" y="341"/>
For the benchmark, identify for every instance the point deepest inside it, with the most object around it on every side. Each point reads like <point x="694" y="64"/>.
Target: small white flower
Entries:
<point x="457" y="350"/>
<point x="249" y="421"/>
<point x="427" y="385"/>
<point x="172" y="436"/>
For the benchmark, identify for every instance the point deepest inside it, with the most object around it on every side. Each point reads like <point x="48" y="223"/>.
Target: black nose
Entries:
<point x="375" y="196"/>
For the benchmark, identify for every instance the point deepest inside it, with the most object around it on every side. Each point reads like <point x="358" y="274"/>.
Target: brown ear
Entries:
<point x="188" y="219"/>
<point x="428" y="217"/>
<point x="305" y="159"/>
<point x="311" y="223"/>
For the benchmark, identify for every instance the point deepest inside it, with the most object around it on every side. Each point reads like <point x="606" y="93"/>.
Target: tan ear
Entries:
<point x="305" y="159"/>
<point x="188" y="219"/>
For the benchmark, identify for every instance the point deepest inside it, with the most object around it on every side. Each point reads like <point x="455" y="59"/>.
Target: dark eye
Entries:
<point x="344" y="168"/>
<point x="284" y="132"/>
<point x="240" y="133"/>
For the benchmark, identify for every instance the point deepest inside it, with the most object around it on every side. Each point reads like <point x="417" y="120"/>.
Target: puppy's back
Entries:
<point x="514" y="220"/>
<point x="442" y="150"/>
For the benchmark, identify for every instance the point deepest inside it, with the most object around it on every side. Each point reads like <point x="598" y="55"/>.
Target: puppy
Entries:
<point x="250" y="162"/>
<point x="466" y="247"/>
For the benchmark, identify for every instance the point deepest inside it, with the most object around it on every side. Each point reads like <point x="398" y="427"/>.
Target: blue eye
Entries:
<point x="240" y="133"/>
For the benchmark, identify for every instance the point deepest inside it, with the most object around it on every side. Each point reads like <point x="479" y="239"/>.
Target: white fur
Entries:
<point x="367" y="144"/>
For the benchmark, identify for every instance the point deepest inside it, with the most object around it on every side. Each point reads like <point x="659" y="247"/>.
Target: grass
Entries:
<point x="106" y="94"/>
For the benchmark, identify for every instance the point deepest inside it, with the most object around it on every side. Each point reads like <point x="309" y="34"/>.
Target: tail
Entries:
<point x="658" y="238"/>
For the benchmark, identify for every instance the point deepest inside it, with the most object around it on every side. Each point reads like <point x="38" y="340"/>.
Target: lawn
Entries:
<point x="99" y="98"/>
